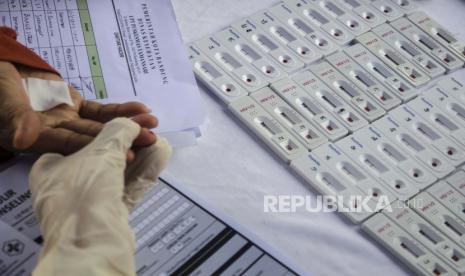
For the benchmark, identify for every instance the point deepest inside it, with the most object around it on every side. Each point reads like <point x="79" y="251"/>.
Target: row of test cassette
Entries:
<point x="428" y="232"/>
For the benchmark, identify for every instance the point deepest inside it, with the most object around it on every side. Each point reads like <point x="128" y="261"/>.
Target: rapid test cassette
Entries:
<point x="270" y="131"/>
<point x="278" y="52"/>
<point x="306" y="105"/>
<point x="449" y="197"/>
<point x="289" y="17"/>
<point x="305" y="132"/>
<point x="304" y="49"/>
<point x="428" y="235"/>
<point x="380" y="145"/>
<point x="314" y="16"/>
<point x="342" y="15"/>
<point x="388" y="8"/>
<point x="372" y="64"/>
<point x="457" y="180"/>
<point x="316" y="88"/>
<point x="414" y="54"/>
<point x="365" y="81"/>
<point x="398" y="63"/>
<point x="453" y="87"/>
<point x="369" y="109"/>
<point x="405" y="247"/>
<point x="438" y="32"/>
<point x="369" y="14"/>
<point x="421" y="39"/>
<point x="214" y="77"/>
<point x="378" y="167"/>
<point x="439" y="216"/>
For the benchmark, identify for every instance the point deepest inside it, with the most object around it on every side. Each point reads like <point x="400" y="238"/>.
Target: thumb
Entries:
<point x="27" y="130"/>
<point x="116" y="136"/>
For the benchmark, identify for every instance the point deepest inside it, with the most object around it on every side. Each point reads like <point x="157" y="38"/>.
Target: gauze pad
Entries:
<point x="46" y="94"/>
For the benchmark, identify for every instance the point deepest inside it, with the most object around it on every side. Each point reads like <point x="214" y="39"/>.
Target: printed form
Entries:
<point x="113" y="51"/>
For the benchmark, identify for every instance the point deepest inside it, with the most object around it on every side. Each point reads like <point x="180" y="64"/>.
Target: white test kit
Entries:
<point x="405" y="247"/>
<point x="424" y="41"/>
<point x="342" y="15"/>
<point x="369" y="14"/>
<point x="408" y="165"/>
<point x="365" y="81"/>
<point x="335" y="158"/>
<point x="457" y="180"/>
<point x="281" y="54"/>
<point x="305" y="50"/>
<point x="406" y="5"/>
<point x="312" y="15"/>
<point x="306" y="105"/>
<point x="439" y="216"/>
<point x="429" y="157"/>
<point x="453" y="87"/>
<point x="438" y="32"/>
<point x="369" y="109"/>
<point x="398" y="63"/>
<point x="428" y="235"/>
<point x="248" y="76"/>
<point x="429" y="135"/>
<point x="295" y="22"/>
<point x="316" y="88"/>
<point x="439" y="119"/>
<point x="214" y="77"/>
<point x="389" y="9"/>
<point x="270" y="131"/>
<point x="449" y="197"/>
<point x="372" y="64"/>
<point x="327" y="182"/>
<point x="378" y="167"/>
<point x="305" y="132"/>
<point x="414" y="54"/>
<point x="271" y="71"/>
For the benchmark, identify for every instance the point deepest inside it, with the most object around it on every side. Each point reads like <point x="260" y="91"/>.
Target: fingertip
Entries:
<point x="130" y="156"/>
<point x="145" y="138"/>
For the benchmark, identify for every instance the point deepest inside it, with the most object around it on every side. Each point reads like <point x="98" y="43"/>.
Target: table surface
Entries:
<point x="233" y="170"/>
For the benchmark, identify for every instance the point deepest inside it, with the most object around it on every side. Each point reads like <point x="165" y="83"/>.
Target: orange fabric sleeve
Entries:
<point x="14" y="52"/>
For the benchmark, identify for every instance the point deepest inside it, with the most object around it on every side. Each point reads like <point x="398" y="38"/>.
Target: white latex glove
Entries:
<point x="82" y="202"/>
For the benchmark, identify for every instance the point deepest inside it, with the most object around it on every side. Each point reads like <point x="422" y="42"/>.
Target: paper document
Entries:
<point x="113" y="51"/>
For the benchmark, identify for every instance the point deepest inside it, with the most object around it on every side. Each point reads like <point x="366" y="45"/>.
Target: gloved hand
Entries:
<point x="82" y="202"/>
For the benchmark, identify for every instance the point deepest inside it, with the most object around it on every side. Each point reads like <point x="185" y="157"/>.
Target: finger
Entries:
<point x="27" y="130"/>
<point x="104" y="113"/>
<point x="146" y="120"/>
<point x="60" y="140"/>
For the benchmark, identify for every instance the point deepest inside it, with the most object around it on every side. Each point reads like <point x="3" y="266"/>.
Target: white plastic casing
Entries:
<point x="267" y="128"/>
<point x="411" y="52"/>
<point x="342" y="15"/>
<point x="449" y="197"/>
<point x="305" y="132"/>
<point x="439" y="216"/>
<point x="326" y="182"/>
<point x="429" y="135"/>
<point x="312" y="15"/>
<point x="438" y="32"/>
<point x="252" y="55"/>
<point x="317" y="89"/>
<point x="406" y="5"/>
<point x="457" y="180"/>
<point x="397" y="62"/>
<point x="390" y="10"/>
<point x="348" y="91"/>
<point x="428" y="235"/>
<point x="295" y="22"/>
<point x="454" y="87"/>
<point x="404" y="246"/>
<point x="424" y="41"/>
<point x="408" y="165"/>
<point x="228" y="60"/>
<point x="437" y="118"/>
<point x="379" y="168"/>
<point x="280" y="32"/>
<point x="409" y="143"/>
<point x="310" y="108"/>
<point x="365" y="81"/>
<point x="214" y="77"/>
<point x="281" y="54"/>
<point x="368" y="14"/>
<point x="403" y="89"/>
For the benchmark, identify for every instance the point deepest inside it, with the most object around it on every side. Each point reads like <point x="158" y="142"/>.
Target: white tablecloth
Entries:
<point x="232" y="170"/>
